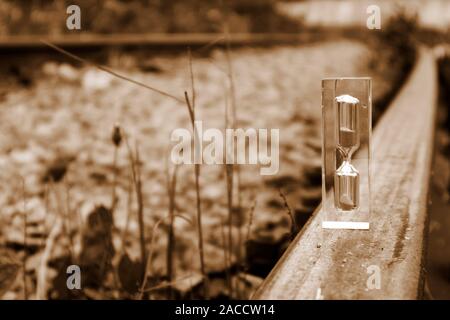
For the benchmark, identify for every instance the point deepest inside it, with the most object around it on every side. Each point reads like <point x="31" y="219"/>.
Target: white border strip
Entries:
<point x="345" y="225"/>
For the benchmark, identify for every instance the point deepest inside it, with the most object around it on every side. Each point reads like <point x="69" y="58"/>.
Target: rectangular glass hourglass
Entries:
<point x="346" y="131"/>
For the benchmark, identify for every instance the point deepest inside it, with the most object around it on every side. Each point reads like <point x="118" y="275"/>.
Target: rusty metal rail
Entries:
<point x="166" y="40"/>
<point x="339" y="264"/>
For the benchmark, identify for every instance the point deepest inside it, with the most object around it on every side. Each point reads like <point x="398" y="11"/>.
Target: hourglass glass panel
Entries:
<point x="346" y="178"/>
<point x="346" y="129"/>
<point x="348" y="120"/>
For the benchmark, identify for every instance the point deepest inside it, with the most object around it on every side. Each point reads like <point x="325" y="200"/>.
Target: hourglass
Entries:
<point x="346" y="129"/>
<point x="346" y="178"/>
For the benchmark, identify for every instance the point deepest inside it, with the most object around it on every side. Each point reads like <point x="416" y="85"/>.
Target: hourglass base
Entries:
<point x="352" y="225"/>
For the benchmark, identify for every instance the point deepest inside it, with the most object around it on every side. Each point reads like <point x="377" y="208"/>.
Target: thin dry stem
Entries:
<point x="235" y="170"/>
<point x="231" y="169"/>
<point x="228" y="169"/>
<point x="191" y="73"/>
<point x="171" y="190"/>
<point x="201" y="50"/>
<point x="191" y="108"/>
<point x="129" y="206"/>
<point x="229" y="179"/>
<point x="46" y="205"/>
<point x="68" y="215"/>
<point x="148" y="263"/>
<point x="199" y="208"/>
<point x="110" y="71"/>
<point x="225" y="257"/>
<point x="25" y="235"/>
<point x="168" y="284"/>
<point x="61" y="212"/>
<point x="136" y="177"/>
<point x="148" y="269"/>
<point x="114" y="185"/>
<point x="290" y="213"/>
<point x="250" y="220"/>
<point x="249" y="228"/>
<point x="42" y="272"/>
<point x="140" y="205"/>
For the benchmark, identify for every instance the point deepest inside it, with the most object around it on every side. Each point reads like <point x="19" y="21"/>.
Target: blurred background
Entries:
<point x="201" y="16"/>
<point x="85" y="174"/>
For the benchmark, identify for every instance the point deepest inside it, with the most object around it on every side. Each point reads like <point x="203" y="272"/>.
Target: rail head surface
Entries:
<point x="386" y="261"/>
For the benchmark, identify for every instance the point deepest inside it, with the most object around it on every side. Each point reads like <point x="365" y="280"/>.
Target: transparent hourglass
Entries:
<point x="346" y="130"/>
<point x="346" y="178"/>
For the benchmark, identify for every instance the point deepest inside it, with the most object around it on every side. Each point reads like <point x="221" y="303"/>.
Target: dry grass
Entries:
<point x="232" y="172"/>
<point x="116" y="139"/>
<point x="148" y="262"/>
<point x="25" y="237"/>
<point x="135" y="165"/>
<point x="228" y="169"/>
<point x="111" y="72"/>
<point x="171" y="192"/>
<point x="191" y="108"/>
<point x="136" y="177"/>
<point x="291" y="215"/>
